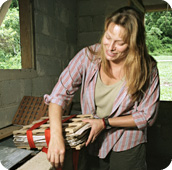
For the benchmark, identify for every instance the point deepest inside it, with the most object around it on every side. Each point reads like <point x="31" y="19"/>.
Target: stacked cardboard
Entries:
<point x="75" y="133"/>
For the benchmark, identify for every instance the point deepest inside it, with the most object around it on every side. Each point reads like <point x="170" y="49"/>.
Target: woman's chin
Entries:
<point x="111" y="58"/>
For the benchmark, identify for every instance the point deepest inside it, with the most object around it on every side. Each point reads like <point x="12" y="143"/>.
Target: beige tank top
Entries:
<point x="105" y="96"/>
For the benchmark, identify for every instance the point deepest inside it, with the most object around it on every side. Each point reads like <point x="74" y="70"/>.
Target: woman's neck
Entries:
<point x="117" y="69"/>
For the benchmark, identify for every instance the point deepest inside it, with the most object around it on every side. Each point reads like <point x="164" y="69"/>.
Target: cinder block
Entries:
<point x="92" y="7"/>
<point x="45" y="6"/>
<point x="71" y="51"/>
<point x="42" y="85"/>
<point x="71" y="35"/>
<point x="84" y="8"/>
<point x="25" y="87"/>
<point x="48" y="66"/>
<point x="64" y="10"/>
<point x="11" y="92"/>
<point x="45" y="45"/>
<point x="60" y="29"/>
<point x="64" y="15"/>
<point x="44" y="24"/>
<point x="98" y="22"/>
<point x="85" y="24"/>
<point x="7" y="114"/>
<point x="73" y="19"/>
<point x="58" y="6"/>
<point x="70" y="5"/>
<point x="89" y="38"/>
<point x="61" y="49"/>
<point x="114" y="5"/>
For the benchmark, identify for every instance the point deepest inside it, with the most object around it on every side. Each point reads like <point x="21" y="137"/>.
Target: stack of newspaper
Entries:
<point x="75" y="133"/>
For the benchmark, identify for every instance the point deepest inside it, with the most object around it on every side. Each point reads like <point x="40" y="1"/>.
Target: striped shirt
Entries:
<point x="83" y="71"/>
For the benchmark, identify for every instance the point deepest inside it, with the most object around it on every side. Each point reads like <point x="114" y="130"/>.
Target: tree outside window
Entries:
<point x="16" y="35"/>
<point x="10" y="53"/>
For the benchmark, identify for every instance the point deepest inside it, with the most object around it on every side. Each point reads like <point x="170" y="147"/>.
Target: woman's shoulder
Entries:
<point x="94" y="47"/>
<point x="154" y="68"/>
<point x="92" y="51"/>
<point x="153" y="63"/>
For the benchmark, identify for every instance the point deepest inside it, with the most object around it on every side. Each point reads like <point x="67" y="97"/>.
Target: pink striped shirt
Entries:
<point x="82" y="71"/>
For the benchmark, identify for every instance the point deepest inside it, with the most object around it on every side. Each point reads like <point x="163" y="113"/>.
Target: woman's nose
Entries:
<point x="112" y="46"/>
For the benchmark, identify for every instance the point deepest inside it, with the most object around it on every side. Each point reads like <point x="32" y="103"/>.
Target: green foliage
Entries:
<point x="10" y="55"/>
<point x="15" y="4"/>
<point x="159" y="43"/>
<point x="158" y="32"/>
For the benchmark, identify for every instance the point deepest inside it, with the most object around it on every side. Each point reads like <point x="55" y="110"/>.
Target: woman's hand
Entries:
<point x="56" y="151"/>
<point x="96" y="127"/>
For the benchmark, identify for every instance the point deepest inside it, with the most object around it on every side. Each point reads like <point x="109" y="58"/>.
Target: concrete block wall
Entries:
<point x="55" y="34"/>
<point x="55" y="30"/>
<point x="91" y="17"/>
<point x="14" y="84"/>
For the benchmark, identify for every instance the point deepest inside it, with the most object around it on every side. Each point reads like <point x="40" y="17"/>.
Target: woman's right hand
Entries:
<point x="56" y="151"/>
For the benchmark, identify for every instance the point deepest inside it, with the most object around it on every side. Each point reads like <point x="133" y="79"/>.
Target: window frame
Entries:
<point x="157" y="8"/>
<point x="26" y="32"/>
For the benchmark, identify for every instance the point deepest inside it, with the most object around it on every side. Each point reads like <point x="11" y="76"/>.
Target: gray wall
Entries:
<point x="55" y="28"/>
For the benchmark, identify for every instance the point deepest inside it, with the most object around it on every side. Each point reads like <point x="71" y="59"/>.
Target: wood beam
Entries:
<point x="158" y="7"/>
<point x="26" y="34"/>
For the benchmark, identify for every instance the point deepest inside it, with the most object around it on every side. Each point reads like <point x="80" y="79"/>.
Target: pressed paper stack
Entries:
<point x="74" y="129"/>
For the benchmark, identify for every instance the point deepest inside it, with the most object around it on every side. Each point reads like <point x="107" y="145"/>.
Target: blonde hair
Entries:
<point x="138" y="62"/>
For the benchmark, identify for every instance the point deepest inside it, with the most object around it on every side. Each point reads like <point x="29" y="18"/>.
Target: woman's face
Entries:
<point x="113" y="43"/>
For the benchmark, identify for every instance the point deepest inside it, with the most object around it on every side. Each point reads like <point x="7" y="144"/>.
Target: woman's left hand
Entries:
<point x="96" y="127"/>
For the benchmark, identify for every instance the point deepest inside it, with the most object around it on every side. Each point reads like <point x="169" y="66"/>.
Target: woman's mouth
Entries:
<point x="109" y="53"/>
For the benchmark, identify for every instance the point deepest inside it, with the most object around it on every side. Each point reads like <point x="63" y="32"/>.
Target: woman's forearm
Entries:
<point x="122" y="121"/>
<point x="56" y="148"/>
<point x="55" y="116"/>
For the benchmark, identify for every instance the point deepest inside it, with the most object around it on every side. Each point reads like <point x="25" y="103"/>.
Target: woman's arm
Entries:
<point x="56" y="149"/>
<point x="122" y="121"/>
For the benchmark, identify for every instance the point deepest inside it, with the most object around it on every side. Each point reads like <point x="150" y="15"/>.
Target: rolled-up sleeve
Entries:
<point x="68" y="82"/>
<point x="146" y="112"/>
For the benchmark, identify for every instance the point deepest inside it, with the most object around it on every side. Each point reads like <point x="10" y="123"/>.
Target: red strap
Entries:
<point x="75" y="158"/>
<point x="66" y="119"/>
<point x="47" y="136"/>
<point x="104" y="124"/>
<point x="29" y="133"/>
<point x="44" y="149"/>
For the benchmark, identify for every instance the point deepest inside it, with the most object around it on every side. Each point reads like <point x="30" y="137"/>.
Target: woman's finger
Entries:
<point x="62" y="156"/>
<point x="86" y="120"/>
<point x="52" y="159"/>
<point x="56" y="161"/>
<point x="93" y="139"/>
<point x="89" y="138"/>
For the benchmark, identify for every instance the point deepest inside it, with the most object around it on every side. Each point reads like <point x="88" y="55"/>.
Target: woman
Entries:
<point x="119" y="86"/>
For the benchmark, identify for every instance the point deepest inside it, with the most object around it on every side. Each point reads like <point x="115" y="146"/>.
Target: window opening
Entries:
<point x="10" y="52"/>
<point x="159" y="42"/>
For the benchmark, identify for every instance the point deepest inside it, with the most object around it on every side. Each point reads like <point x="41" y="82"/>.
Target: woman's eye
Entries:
<point x="121" y="43"/>
<point x="108" y="37"/>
